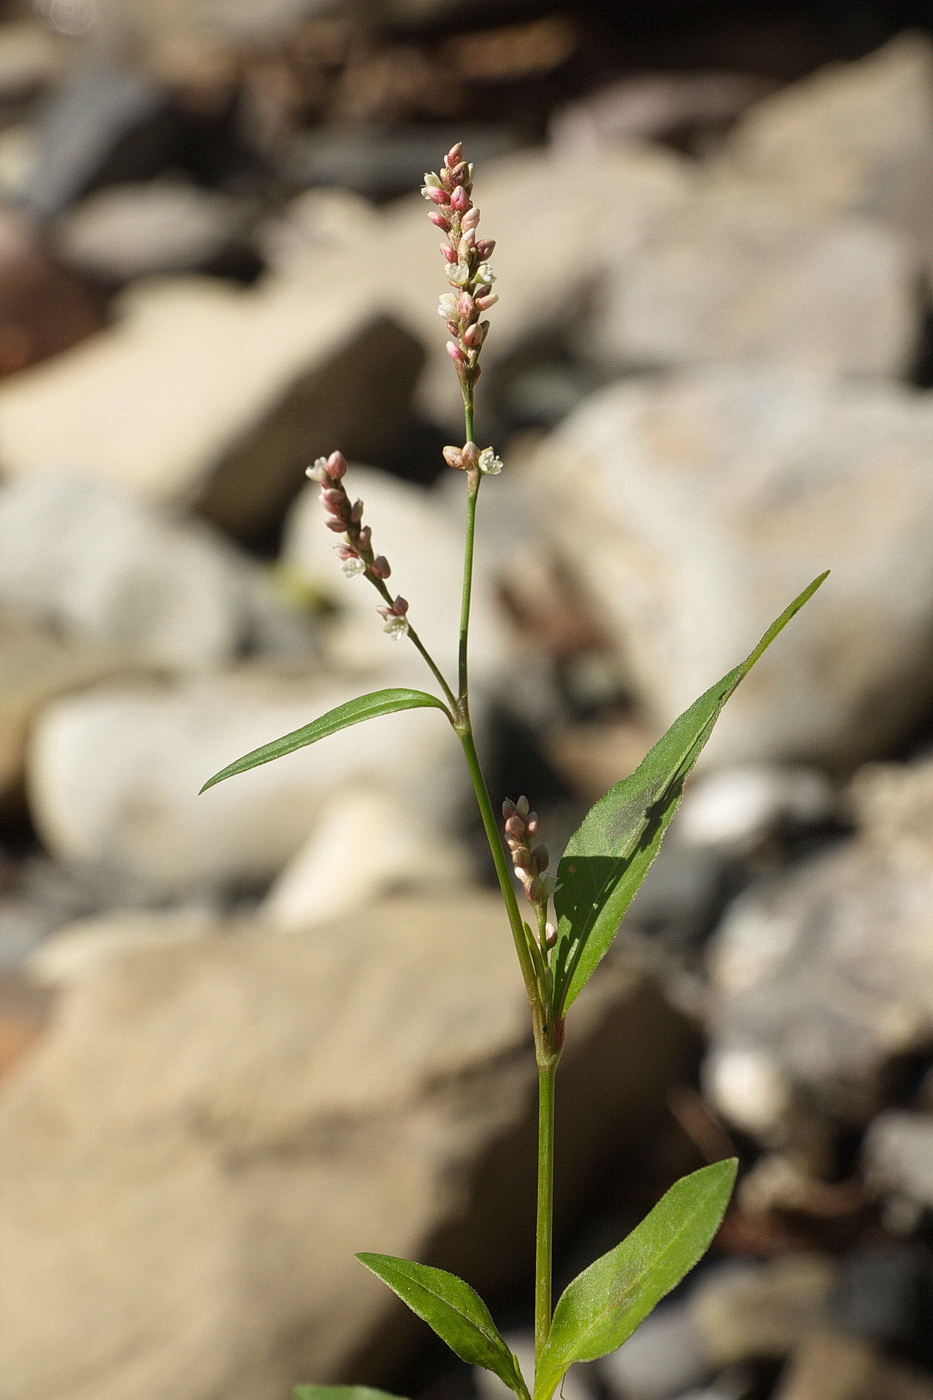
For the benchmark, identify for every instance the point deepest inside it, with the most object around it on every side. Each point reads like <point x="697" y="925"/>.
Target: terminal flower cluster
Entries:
<point x="467" y="259"/>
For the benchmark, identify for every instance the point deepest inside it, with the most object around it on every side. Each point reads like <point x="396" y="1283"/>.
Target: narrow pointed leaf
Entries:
<point x="380" y="702"/>
<point x="340" y="1392"/>
<point x="608" y="856"/>
<point x="455" y="1311"/>
<point x="602" y="1307"/>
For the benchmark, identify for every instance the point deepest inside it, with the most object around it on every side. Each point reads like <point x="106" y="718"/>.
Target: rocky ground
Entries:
<point x="244" y="1035"/>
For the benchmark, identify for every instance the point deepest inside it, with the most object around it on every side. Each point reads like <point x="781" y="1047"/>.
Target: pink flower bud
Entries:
<point x="380" y="568"/>
<point x="454" y="156"/>
<point x="541" y="857"/>
<point x="356" y="512"/>
<point x="455" y="353"/>
<point x="435" y="195"/>
<point x="459" y="173"/>
<point x="337" y="465"/>
<point x="470" y="455"/>
<point x="474" y="336"/>
<point x="441" y="220"/>
<point x="515" y="827"/>
<point x="484" y="247"/>
<point x="453" y="456"/>
<point x="465" y="246"/>
<point x="465" y="306"/>
<point x="337" y="525"/>
<point x="447" y="253"/>
<point x="523" y="807"/>
<point x="470" y="220"/>
<point x="508" y="808"/>
<point x="460" y="200"/>
<point x="364" y="537"/>
<point x="400" y="606"/>
<point x="333" y="498"/>
<point x="486" y="300"/>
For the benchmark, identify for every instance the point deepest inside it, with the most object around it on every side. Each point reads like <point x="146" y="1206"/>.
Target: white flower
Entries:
<point x="485" y="274"/>
<point x="489" y="463"/>
<point x="447" y="307"/>
<point x="397" y="627"/>
<point x="459" y="274"/>
<point x="317" y="470"/>
<point x="353" y="567"/>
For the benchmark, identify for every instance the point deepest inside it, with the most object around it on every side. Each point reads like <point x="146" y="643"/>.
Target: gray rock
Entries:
<point x="754" y="1311"/>
<point x="114" y="776"/>
<point x="897" y="1156"/>
<point x="692" y="509"/>
<point x="731" y="277"/>
<point x="822" y="975"/>
<point x="664" y="1355"/>
<point x="105" y="119"/>
<point x="134" y="583"/>
<point x="211" y="1128"/>
<point x="138" y="230"/>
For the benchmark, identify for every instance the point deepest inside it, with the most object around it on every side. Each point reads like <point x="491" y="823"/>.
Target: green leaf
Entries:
<point x="340" y="1392"/>
<point x="602" y="1307"/>
<point x="608" y="856"/>
<point x="455" y="1311"/>
<point x="380" y="702"/>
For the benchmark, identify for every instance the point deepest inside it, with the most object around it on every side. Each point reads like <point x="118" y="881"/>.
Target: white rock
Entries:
<point x="210" y="1129"/>
<point x="692" y="509"/>
<point x="111" y="572"/>
<point x="114" y="776"/>
<point x="852" y="137"/>
<point x="205" y="393"/>
<point x="728" y="278"/>
<point x="79" y="948"/>
<point x="365" y="844"/>
<point x="734" y="808"/>
<point x="558" y="223"/>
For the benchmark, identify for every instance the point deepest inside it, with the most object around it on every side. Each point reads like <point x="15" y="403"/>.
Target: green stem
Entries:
<point x="422" y="649"/>
<point x="544" y="1230"/>
<point x="503" y="870"/>
<point x="463" y="668"/>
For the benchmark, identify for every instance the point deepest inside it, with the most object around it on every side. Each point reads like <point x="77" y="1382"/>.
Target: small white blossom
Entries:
<point x="431" y="180"/>
<point x="317" y="470"/>
<point x="447" y="307"/>
<point x="459" y="274"/>
<point x="489" y="463"/>
<point x="485" y="274"/>
<point x="353" y="567"/>
<point x="397" y="627"/>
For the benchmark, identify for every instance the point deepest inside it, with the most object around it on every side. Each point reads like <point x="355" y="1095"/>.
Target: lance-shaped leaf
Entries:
<point x="608" y="856"/>
<point x="602" y="1307"/>
<point x="455" y="1311"/>
<point x="340" y="1392"/>
<point x="380" y="702"/>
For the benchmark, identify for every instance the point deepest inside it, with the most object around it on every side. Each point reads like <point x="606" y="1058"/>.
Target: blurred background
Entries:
<point x="245" y="1035"/>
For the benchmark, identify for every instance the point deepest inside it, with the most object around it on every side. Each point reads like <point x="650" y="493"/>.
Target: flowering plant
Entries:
<point x="575" y="911"/>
